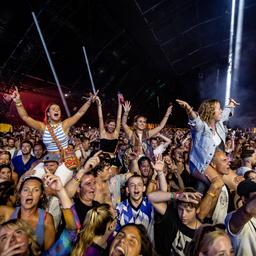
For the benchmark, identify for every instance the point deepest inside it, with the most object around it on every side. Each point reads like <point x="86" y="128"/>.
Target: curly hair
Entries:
<point x="207" y="110"/>
<point x="33" y="247"/>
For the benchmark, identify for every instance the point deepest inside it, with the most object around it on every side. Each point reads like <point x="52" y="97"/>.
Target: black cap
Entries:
<point x="247" y="153"/>
<point x="245" y="187"/>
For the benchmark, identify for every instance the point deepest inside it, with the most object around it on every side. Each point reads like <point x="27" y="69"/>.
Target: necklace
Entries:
<point x="54" y="125"/>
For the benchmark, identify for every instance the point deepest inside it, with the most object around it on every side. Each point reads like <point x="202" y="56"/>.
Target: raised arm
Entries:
<point x="119" y="114"/>
<point x="100" y="116"/>
<point x="127" y="129"/>
<point x="242" y="215"/>
<point x="67" y="123"/>
<point x="229" y="109"/>
<point x="159" y="199"/>
<point x="209" y="201"/>
<point x="156" y="130"/>
<point x="190" y="112"/>
<point x="72" y="186"/>
<point x="40" y="126"/>
<point x="166" y="140"/>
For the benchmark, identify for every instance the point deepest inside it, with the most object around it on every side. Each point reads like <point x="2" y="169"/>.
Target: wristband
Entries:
<point x="171" y="196"/>
<point x="18" y="104"/>
<point x="211" y="194"/>
<point x="76" y="179"/>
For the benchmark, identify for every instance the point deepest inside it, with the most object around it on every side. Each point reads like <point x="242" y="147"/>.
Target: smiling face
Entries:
<point x="126" y="243"/>
<point x="30" y="194"/>
<point x="5" y="173"/>
<point x="5" y="158"/>
<point x="54" y="113"/>
<point x="141" y="123"/>
<point x="26" y="148"/>
<point x="111" y="126"/>
<point x="11" y="235"/>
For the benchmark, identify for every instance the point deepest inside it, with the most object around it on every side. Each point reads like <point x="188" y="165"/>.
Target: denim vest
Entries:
<point x="203" y="145"/>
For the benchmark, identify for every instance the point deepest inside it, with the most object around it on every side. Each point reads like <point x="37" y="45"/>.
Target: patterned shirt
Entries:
<point x="143" y="214"/>
<point x="50" y="143"/>
<point x="64" y="245"/>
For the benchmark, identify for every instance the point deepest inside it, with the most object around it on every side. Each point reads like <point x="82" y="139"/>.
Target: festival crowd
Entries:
<point x="123" y="189"/>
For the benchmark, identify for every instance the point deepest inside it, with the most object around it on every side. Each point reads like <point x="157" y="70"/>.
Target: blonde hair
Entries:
<point x="207" y="110"/>
<point x="204" y="238"/>
<point x="95" y="224"/>
<point x="33" y="247"/>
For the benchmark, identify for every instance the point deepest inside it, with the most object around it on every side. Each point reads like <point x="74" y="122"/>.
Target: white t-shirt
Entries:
<point x="221" y="208"/>
<point x="244" y="241"/>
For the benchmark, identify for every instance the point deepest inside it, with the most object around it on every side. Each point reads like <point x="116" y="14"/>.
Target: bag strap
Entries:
<point x="51" y="131"/>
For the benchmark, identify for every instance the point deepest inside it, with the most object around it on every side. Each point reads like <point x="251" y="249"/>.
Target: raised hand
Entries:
<point x="169" y="110"/>
<point x="15" y="95"/>
<point x="52" y="181"/>
<point x="93" y="96"/>
<point x="159" y="164"/>
<point x="232" y="103"/>
<point x="10" y="249"/>
<point x="98" y="100"/>
<point x="190" y="197"/>
<point x="120" y="98"/>
<point x="92" y="162"/>
<point x="184" y="104"/>
<point x="127" y="106"/>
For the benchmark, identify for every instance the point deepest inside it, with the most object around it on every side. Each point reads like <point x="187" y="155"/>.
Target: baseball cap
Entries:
<point x="51" y="158"/>
<point x="245" y="187"/>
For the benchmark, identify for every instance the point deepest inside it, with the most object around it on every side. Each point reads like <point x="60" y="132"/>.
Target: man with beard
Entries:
<point x="23" y="162"/>
<point x="136" y="208"/>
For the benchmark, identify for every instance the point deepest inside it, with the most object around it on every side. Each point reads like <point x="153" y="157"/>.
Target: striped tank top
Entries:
<point x="49" y="142"/>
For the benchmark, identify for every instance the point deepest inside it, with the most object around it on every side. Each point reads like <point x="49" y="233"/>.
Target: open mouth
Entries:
<point x="56" y="114"/>
<point x="119" y="251"/>
<point x="29" y="201"/>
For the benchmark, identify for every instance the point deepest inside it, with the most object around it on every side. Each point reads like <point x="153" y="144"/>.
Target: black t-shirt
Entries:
<point x="171" y="235"/>
<point x="82" y="209"/>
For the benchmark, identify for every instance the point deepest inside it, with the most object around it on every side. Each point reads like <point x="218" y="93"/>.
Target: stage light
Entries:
<point x="230" y="55"/>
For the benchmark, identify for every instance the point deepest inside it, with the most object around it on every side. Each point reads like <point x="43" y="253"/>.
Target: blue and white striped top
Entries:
<point x="50" y="143"/>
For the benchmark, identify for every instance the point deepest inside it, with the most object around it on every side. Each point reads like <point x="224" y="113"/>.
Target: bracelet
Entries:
<point x="76" y="179"/>
<point x="160" y="173"/>
<point x="153" y="181"/>
<point x="171" y="196"/>
<point x="211" y="194"/>
<point x="18" y="104"/>
<point x="176" y="194"/>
